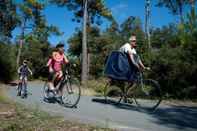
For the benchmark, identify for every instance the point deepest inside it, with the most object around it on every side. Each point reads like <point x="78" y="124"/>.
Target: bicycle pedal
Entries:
<point x="130" y="101"/>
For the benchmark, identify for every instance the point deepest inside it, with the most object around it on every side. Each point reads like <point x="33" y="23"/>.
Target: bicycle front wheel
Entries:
<point x="148" y="95"/>
<point x="19" y="88"/>
<point x="70" y="94"/>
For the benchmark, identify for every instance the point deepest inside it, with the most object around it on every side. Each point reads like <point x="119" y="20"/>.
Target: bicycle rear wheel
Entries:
<point x="113" y="94"/>
<point x="70" y="94"/>
<point x="24" y="89"/>
<point x="46" y="91"/>
<point x="148" y="95"/>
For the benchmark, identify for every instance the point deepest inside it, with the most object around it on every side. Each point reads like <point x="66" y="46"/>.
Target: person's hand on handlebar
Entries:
<point x="141" y="69"/>
<point x="74" y="65"/>
<point x="147" y="68"/>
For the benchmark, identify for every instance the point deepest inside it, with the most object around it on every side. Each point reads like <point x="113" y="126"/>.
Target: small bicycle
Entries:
<point x="70" y="93"/>
<point x="145" y="92"/>
<point x="21" y="91"/>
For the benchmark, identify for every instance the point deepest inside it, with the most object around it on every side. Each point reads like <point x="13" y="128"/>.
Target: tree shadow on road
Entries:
<point x="116" y="105"/>
<point x="177" y="117"/>
<point x="127" y="106"/>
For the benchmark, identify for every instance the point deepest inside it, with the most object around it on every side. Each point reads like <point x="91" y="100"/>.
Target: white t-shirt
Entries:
<point x="126" y="48"/>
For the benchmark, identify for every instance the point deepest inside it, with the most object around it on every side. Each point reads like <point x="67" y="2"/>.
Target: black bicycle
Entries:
<point x="21" y="86"/>
<point x="145" y="92"/>
<point x="70" y="93"/>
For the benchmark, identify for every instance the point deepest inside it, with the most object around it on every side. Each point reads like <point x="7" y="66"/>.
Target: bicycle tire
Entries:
<point x="129" y="96"/>
<point x="148" y="95"/>
<point x="46" y="91"/>
<point x="70" y="91"/>
<point x="19" y="88"/>
<point x="23" y="92"/>
<point x="113" y="94"/>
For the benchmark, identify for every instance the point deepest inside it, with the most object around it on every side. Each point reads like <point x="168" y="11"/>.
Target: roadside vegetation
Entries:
<point x="172" y="58"/>
<point x="16" y="117"/>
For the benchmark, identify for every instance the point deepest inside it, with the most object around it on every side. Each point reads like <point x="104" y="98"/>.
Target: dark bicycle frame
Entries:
<point x="20" y="86"/>
<point x="66" y="79"/>
<point x="134" y="85"/>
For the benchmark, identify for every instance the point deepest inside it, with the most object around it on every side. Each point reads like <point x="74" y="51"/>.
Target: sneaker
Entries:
<point x="25" y="95"/>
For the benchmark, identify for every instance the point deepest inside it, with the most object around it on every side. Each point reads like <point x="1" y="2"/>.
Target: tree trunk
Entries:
<point x="192" y="3"/>
<point x="19" y="53"/>
<point x="20" y="46"/>
<point x="147" y="23"/>
<point x="89" y="57"/>
<point x="180" y="4"/>
<point x="84" y="75"/>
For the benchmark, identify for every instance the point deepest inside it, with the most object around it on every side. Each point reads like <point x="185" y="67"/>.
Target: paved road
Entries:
<point x="126" y="118"/>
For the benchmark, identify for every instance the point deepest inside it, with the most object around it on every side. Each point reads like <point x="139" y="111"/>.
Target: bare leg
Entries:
<point x="58" y="78"/>
<point x="51" y="79"/>
<point x="51" y="86"/>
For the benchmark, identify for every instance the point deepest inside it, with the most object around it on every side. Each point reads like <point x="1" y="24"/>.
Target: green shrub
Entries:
<point x="97" y="85"/>
<point x="7" y="62"/>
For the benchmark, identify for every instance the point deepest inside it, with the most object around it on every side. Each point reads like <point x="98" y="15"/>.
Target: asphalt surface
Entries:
<point x="93" y="110"/>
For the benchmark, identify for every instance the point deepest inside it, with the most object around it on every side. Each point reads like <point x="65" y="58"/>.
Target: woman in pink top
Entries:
<point x="55" y="64"/>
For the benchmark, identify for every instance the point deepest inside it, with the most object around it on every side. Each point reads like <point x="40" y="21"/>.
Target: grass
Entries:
<point x="15" y="117"/>
<point x="96" y="87"/>
<point x="174" y="102"/>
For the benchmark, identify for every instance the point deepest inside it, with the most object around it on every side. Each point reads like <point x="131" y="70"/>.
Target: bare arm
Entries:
<point x="141" y="65"/>
<point x="29" y="70"/>
<point x="133" y="60"/>
<point x="66" y="59"/>
<point x="19" y="69"/>
<point x="49" y="62"/>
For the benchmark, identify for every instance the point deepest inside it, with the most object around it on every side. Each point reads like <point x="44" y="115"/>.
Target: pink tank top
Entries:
<point x="56" y="61"/>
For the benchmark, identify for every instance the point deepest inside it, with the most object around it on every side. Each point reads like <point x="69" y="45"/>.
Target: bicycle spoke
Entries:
<point x="71" y="94"/>
<point x="148" y="95"/>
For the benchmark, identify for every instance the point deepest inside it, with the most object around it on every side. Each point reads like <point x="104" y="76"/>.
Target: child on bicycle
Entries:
<point x="54" y="64"/>
<point x="23" y="72"/>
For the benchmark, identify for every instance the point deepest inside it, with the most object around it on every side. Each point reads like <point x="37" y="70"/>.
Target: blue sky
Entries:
<point x="121" y="9"/>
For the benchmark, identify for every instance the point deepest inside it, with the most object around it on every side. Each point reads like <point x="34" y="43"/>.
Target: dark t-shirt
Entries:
<point x="24" y="70"/>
